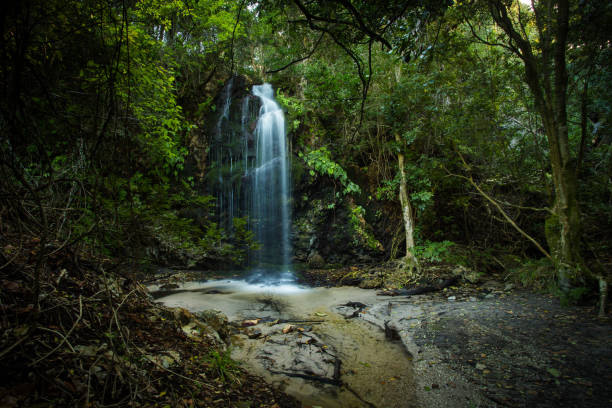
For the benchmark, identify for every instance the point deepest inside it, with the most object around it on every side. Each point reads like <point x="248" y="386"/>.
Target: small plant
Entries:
<point x="360" y="227"/>
<point x="433" y="251"/>
<point x="573" y="296"/>
<point x="222" y="363"/>
<point x="537" y="274"/>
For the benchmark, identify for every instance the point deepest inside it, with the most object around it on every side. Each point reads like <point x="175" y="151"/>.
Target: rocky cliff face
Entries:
<point x="326" y="231"/>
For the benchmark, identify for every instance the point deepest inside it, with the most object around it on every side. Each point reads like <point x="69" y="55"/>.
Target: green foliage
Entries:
<point x="295" y="109"/>
<point x="538" y="274"/>
<point x="417" y="181"/>
<point x="363" y="234"/>
<point x="573" y="296"/>
<point x="433" y="251"/>
<point x="243" y="241"/>
<point x="224" y="366"/>
<point x="320" y="162"/>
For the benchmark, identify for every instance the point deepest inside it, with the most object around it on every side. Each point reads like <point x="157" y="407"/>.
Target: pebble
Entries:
<point x="452" y="298"/>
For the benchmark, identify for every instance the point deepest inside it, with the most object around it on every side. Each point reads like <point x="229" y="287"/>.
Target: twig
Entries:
<point x="272" y="71"/>
<point x="18" y="342"/>
<point x="170" y="371"/>
<point x="64" y="338"/>
<point x="501" y="210"/>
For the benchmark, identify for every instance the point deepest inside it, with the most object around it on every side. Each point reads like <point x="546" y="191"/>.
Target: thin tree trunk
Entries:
<point x="407" y="215"/>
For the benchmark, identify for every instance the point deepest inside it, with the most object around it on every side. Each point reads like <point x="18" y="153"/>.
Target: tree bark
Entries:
<point x="411" y="261"/>
<point x="550" y="95"/>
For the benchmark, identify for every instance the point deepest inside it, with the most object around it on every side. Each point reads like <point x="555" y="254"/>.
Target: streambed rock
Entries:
<point x="292" y="350"/>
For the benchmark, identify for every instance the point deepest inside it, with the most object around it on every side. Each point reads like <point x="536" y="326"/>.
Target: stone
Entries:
<point x="508" y="287"/>
<point x="218" y="321"/>
<point x="253" y="333"/>
<point x="315" y="260"/>
<point x="452" y="298"/>
<point x="467" y="274"/>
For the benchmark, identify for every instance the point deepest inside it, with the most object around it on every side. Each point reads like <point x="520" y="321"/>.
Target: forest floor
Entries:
<point x="515" y="347"/>
<point x="98" y="339"/>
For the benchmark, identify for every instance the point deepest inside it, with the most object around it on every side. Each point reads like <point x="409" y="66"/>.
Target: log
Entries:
<point x="420" y="289"/>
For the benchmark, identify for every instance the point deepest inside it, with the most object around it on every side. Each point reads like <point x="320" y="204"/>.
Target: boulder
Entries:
<point x="315" y="260"/>
<point x="218" y="321"/>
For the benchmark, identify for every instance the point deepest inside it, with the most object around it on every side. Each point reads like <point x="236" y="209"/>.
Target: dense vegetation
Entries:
<point x="471" y="132"/>
<point x="481" y="127"/>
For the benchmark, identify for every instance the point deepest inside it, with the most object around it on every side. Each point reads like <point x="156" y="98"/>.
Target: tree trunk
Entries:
<point x="550" y="95"/>
<point x="411" y="262"/>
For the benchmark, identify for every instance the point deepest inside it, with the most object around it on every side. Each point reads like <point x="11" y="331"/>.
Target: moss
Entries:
<point x="297" y="171"/>
<point x="552" y="229"/>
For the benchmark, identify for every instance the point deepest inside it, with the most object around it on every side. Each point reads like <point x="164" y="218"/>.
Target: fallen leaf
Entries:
<point x="251" y="322"/>
<point x="554" y="372"/>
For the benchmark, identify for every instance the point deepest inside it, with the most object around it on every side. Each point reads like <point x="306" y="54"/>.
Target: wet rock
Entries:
<point x="218" y="321"/>
<point x="253" y="333"/>
<point x="181" y="315"/>
<point x="296" y="353"/>
<point x="467" y="274"/>
<point x="315" y="260"/>
<point x="167" y="360"/>
<point x="373" y="282"/>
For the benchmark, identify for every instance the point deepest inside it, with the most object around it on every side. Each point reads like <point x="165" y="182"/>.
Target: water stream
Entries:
<point x="373" y="370"/>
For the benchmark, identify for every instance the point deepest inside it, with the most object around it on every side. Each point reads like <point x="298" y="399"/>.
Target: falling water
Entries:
<point x="250" y="173"/>
<point x="224" y="158"/>
<point x="271" y="193"/>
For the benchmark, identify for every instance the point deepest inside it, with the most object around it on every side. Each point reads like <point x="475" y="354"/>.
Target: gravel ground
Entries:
<point x="486" y="346"/>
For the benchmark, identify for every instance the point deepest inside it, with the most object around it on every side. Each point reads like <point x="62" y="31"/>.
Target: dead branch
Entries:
<point x="64" y="338"/>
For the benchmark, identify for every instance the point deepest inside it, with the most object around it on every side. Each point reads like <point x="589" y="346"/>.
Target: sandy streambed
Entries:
<point x="314" y="347"/>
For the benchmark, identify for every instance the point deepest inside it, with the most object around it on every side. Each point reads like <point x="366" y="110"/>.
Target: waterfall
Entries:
<point x="250" y="172"/>
<point x="224" y="158"/>
<point x="271" y="193"/>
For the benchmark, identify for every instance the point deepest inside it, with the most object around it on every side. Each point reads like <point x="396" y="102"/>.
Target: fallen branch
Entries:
<point x="8" y="349"/>
<point x="64" y="338"/>
<point x="420" y="290"/>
